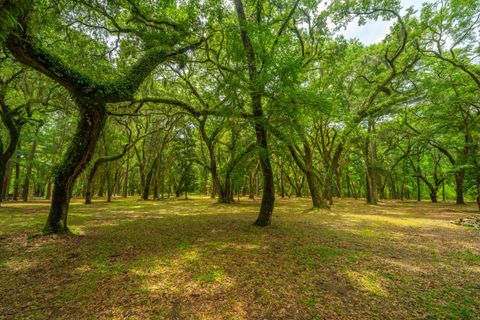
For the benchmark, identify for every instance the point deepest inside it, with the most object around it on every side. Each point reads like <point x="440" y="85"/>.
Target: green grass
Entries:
<point x="200" y="260"/>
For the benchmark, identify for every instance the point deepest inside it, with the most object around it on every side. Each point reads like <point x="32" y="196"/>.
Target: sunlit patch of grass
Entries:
<point x="403" y="221"/>
<point x="210" y="276"/>
<point x="190" y="255"/>
<point x="367" y="281"/>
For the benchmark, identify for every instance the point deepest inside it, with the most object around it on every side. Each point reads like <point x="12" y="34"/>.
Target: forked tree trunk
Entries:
<point x="92" y="121"/>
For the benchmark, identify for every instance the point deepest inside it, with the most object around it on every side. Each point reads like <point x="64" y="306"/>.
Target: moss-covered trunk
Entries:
<point x="79" y="153"/>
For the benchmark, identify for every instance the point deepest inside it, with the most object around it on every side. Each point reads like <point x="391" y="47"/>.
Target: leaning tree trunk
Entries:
<point x="79" y="153"/>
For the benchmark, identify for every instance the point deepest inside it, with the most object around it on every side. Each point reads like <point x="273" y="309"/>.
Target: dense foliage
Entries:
<point x="237" y="99"/>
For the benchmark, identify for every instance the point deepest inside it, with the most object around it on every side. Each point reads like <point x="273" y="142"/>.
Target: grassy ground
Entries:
<point x="199" y="260"/>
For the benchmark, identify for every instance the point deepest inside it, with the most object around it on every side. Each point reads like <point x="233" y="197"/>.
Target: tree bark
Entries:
<point x="268" y="196"/>
<point x="79" y="153"/>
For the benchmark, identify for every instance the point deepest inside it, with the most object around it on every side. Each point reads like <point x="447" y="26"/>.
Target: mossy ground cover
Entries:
<point x="196" y="259"/>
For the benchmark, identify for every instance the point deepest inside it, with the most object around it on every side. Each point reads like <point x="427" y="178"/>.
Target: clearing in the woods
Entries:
<point x="195" y="259"/>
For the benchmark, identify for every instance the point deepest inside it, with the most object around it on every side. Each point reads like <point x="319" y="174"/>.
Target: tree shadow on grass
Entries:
<point x="172" y="261"/>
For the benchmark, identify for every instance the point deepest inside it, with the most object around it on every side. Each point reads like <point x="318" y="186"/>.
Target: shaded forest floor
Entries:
<point x="197" y="259"/>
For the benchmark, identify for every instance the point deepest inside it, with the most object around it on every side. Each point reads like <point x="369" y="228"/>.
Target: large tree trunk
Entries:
<point x="268" y="196"/>
<point x="79" y="153"/>
<point x="317" y="200"/>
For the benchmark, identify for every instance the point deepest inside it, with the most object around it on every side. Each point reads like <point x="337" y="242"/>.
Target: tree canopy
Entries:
<point x="237" y="98"/>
